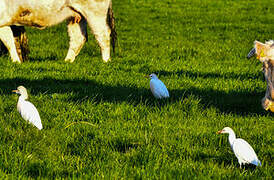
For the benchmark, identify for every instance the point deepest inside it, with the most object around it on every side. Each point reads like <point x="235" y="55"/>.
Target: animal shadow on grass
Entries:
<point x="240" y="103"/>
<point x="230" y="75"/>
<point x="80" y="89"/>
<point x="237" y="102"/>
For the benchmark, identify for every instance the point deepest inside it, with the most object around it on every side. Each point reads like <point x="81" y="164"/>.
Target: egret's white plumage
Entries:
<point x="157" y="87"/>
<point x="242" y="150"/>
<point x="27" y="109"/>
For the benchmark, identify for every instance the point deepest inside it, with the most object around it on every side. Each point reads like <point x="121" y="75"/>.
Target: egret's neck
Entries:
<point x="22" y="97"/>
<point x="231" y="137"/>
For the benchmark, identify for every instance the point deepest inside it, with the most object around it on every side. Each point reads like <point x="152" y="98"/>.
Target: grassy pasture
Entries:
<point x="198" y="49"/>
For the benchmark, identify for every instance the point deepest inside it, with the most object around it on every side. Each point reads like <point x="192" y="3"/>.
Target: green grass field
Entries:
<point x="197" y="48"/>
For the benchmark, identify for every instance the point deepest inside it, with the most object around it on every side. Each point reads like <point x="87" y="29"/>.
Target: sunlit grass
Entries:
<point x="197" y="48"/>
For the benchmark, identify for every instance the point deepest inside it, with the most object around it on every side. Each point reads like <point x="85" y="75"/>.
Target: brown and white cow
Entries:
<point x="44" y="13"/>
<point x="265" y="53"/>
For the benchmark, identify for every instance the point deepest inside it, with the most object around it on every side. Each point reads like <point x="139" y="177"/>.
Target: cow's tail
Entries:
<point x="111" y="24"/>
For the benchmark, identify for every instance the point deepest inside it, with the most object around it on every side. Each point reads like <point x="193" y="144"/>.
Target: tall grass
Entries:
<point x="197" y="48"/>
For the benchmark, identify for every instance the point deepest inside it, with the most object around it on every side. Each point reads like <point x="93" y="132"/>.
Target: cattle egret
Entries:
<point x="157" y="87"/>
<point x="242" y="150"/>
<point x="27" y="109"/>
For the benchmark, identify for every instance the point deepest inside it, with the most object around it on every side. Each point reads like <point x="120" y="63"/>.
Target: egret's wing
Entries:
<point x="29" y="112"/>
<point x="244" y="151"/>
<point x="154" y="88"/>
<point x="163" y="88"/>
<point x="158" y="88"/>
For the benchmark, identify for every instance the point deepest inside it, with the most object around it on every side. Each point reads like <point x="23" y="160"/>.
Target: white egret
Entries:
<point x="242" y="150"/>
<point x="157" y="87"/>
<point x="27" y="109"/>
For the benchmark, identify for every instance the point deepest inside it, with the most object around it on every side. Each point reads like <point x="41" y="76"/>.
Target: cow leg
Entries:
<point x="267" y="101"/>
<point x="21" y="42"/>
<point x="6" y="36"/>
<point x="78" y="36"/>
<point x="98" y="24"/>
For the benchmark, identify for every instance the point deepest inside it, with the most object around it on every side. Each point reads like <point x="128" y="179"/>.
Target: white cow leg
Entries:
<point x="78" y="36"/>
<point x="6" y="36"/>
<point x="101" y="31"/>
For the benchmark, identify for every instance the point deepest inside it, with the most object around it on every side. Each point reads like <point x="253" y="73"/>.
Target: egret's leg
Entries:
<point x="78" y="36"/>
<point x="98" y="24"/>
<point x="6" y="36"/>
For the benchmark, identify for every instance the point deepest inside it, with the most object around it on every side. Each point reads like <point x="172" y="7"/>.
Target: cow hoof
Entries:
<point x="69" y="60"/>
<point x="106" y="60"/>
<point x="106" y="57"/>
<point x="17" y="62"/>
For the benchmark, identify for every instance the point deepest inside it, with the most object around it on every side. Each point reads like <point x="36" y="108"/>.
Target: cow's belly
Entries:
<point x="41" y="14"/>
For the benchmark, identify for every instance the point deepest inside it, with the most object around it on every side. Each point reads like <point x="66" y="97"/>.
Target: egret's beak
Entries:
<point x="251" y="53"/>
<point x="147" y="76"/>
<point x="15" y="91"/>
<point x="220" y="132"/>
